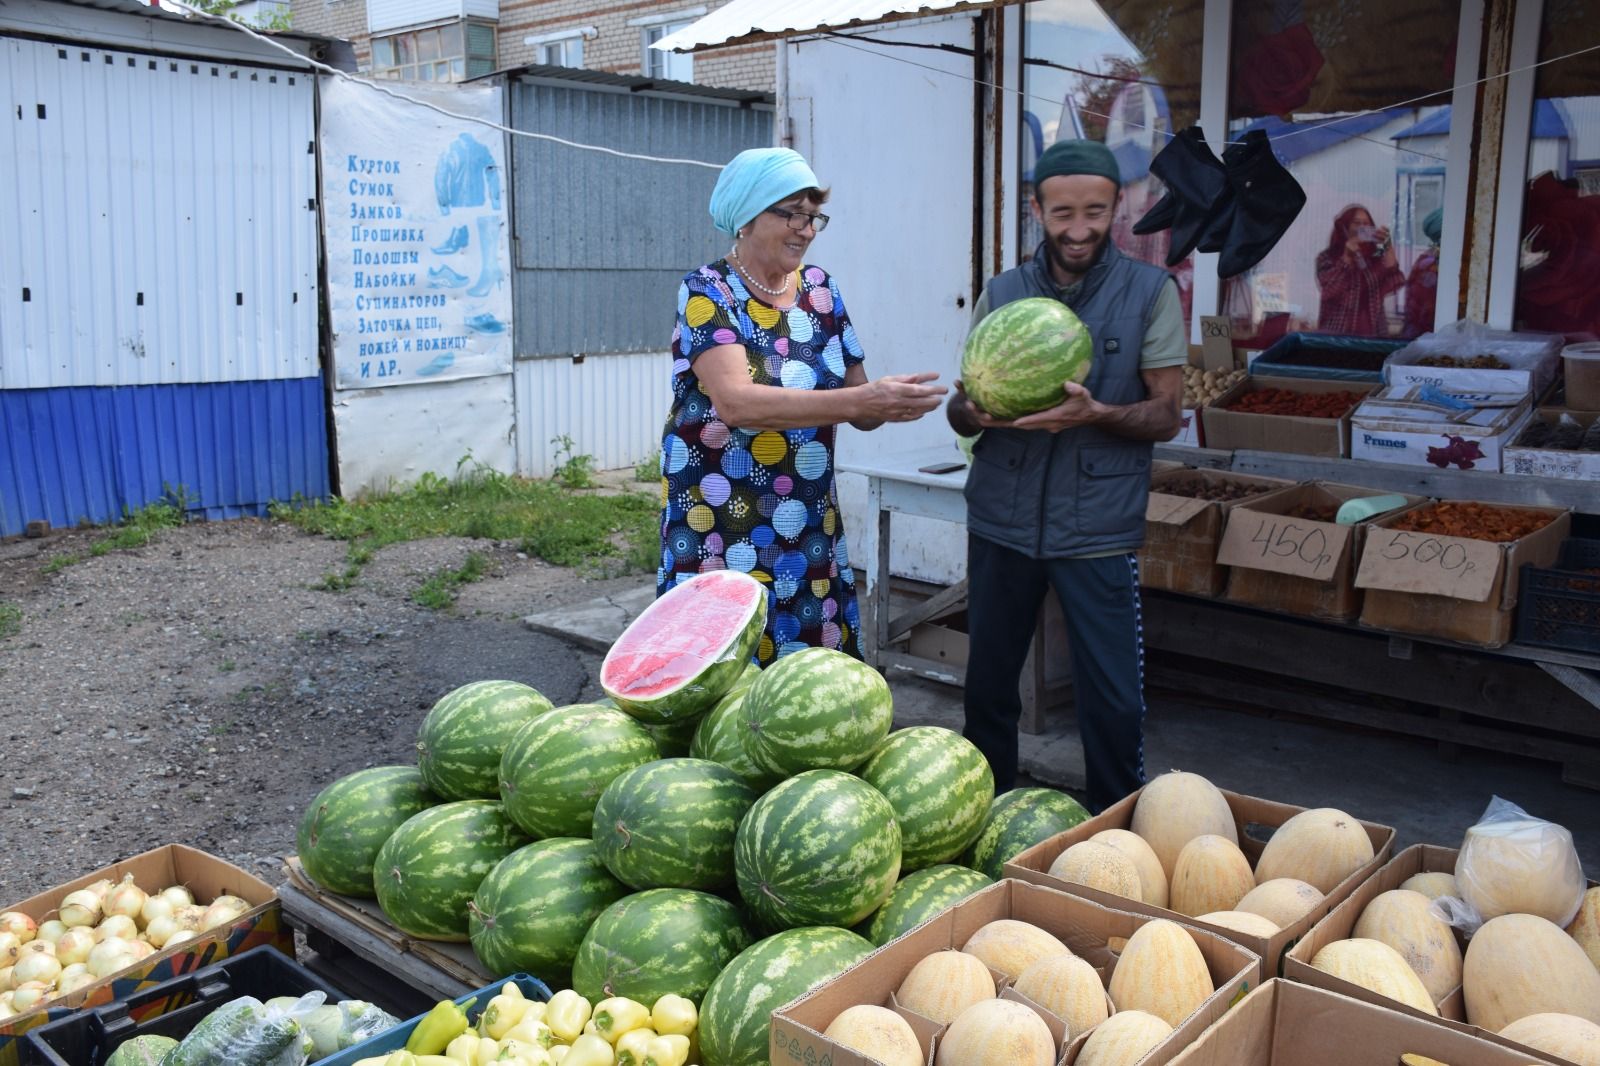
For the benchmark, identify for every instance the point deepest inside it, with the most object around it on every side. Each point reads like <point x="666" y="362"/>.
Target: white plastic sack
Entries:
<point x="1513" y="863"/>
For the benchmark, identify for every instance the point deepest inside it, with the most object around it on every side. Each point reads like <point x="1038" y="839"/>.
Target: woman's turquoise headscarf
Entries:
<point x="753" y="181"/>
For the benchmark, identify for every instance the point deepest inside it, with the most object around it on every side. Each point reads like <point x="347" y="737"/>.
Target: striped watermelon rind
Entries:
<point x="427" y="871"/>
<point x="343" y="829"/>
<point x="673" y="739"/>
<point x="671" y="824"/>
<point x="530" y="913"/>
<point x="656" y="942"/>
<point x="727" y="602"/>
<point x="460" y="741"/>
<point x="554" y="769"/>
<point x="735" y="1017"/>
<point x="816" y="709"/>
<point x="1019" y="356"/>
<point x="1017" y="821"/>
<point x="720" y="739"/>
<point x="822" y="848"/>
<point x="940" y="787"/>
<point x="920" y="896"/>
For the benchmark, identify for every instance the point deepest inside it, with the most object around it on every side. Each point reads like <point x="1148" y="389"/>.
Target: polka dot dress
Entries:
<point x="761" y="502"/>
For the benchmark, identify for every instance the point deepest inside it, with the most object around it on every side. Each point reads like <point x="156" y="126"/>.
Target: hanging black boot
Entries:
<point x="1194" y="178"/>
<point x="1267" y="200"/>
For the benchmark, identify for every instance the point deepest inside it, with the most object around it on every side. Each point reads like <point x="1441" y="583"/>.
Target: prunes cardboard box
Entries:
<point x="1082" y="924"/>
<point x="1249" y="813"/>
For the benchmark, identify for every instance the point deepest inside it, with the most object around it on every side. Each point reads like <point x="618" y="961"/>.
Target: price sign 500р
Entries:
<point x="1451" y="557"/>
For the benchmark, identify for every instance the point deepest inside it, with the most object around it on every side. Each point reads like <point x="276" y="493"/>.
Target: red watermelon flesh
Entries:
<point x="687" y="648"/>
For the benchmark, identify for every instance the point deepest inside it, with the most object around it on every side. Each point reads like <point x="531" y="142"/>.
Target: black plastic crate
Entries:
<point x="1560" y="608"/>
<point x="171" y="1008"/>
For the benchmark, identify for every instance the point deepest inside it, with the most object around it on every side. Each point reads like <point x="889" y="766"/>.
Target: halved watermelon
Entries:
<point x="687" y="648"/>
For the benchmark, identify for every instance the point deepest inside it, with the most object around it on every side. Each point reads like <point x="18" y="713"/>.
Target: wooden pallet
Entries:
<point x="352" y="937"/>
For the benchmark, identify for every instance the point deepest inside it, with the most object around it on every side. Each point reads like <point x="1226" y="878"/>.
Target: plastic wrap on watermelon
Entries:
<point x="1513" y="863"/>
<point x="247" y="1032"/>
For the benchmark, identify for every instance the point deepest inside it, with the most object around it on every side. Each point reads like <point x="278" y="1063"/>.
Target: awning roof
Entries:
<point x="742" y="21"/>
<point x="1547" y="122"/>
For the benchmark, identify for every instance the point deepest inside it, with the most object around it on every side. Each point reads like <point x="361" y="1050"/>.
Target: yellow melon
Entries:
<point x="942" y="985"/>
<point x="1096" y="865"/>
<point x="1177" y="807"/>
<point x="1432" y="884"/>
<point x="1212" y="875"/>
<point x="1242" y="922"/>
<point x="994" y="1031"/>
<point x="1562" y="1035"/>
<point x="1377" y="967"/>
<point x="1402" y="919"/>
<point x="1011" y="946"/>
<point x="1520" y="866"/>
<point x="1161" y="972"/>
<point x="1068" y="987"/>
<point x="1281" y="901"/>
<point x="1123" y="1039"/>
<point x="1521" y="964"/>
<point x="878" y="1033"/>
<point x="1321" y="847"/>
<point x="1152" y="878"/>
<point x="1585" y="928"/>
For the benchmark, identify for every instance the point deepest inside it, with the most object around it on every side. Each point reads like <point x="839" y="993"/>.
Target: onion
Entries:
<point x="75" y="945"/>
<point x="10" y="948"/>
<point x="69" y="970"/>
<point x="20" y="924"/>
<point x="36" y="947"/>
<point x="192" y="918"/>
<point x="5" y="978"/>
<point x="126" y="899"/>
<point x="52" y="930"/>
<point x="142" y="949"/>
<point x="223" y="910"/>
<point x="36" y="967"/>
<point x="177" y="895"/>
<point x="157" y="906"/>
<point x="71" y="983"/>
<point x="5" y="1006"/>
<point x="118" y="925"/>
<point x="160" y="929"/>
<point x="25" y="997"/>
<point x="110" y="955"/>
<point x="179" y="937"/>
<point x="103" y="886"/>
<point x="80" y="908"/>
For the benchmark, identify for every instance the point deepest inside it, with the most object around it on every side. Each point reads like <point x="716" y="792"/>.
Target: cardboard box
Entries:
<point x="1083" y="925"/>
<point x="1398" y="424"/>
<point x="1181" y="532"/>
<point x="1235" y="430"/>
<point x="206" y="877"/>
<point x="1248" y="812"/>
<point x="1452" y="588"/>
<point x="1286" y="1024"/>
<point x="1293" y="565"/>
<point x="1532" y="360"/>
<point x="1555" y="462"/>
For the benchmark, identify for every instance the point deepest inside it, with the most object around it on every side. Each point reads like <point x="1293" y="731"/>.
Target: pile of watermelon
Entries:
<point x="727" y="834"/>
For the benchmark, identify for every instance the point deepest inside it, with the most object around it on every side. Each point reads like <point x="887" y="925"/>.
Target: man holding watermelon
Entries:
<point x="1056" y="494"/>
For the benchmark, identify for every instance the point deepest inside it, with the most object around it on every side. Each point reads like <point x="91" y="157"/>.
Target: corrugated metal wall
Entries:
<point x="157" y="220"/>
<point x="611" y="406"/>
<point x="601" y="242"/>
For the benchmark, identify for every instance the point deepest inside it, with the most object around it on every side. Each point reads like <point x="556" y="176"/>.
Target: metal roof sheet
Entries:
<point x="631" y="82"/>
<point x="742" y="21"/>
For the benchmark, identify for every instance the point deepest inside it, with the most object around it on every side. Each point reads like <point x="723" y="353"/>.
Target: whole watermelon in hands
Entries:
<point x="1019" y="357"/>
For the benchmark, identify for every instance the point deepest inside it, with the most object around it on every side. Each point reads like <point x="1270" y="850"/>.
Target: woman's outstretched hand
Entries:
<point x="901" y="397"/>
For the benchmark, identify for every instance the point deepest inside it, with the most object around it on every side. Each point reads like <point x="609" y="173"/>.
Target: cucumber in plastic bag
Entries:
<point x="245" y="1032"/>
<point x="142" y="1051"/>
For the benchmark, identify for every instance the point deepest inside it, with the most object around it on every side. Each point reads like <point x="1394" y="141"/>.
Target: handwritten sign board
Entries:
<point x="1282" y="544"/>
<point x="1216" y="342"/>
<point x="1457" y="567"/>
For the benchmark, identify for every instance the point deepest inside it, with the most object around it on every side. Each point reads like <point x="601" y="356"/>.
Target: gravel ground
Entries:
<point x="198" y="690"/>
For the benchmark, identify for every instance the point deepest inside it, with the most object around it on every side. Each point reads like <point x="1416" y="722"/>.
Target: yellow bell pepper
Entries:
<point x="433" y="1060"/>
<point x="669" y="1050"/>
<point x="590" y="1050"/>
<point x="503" y="1012"/>
<point x="566" y="1014"/>
<point x="558" y="1053"/>
<point x="535" y="1010"/>
<point x="514" y="1051"/>
<point x="400" y="1058"/>
<point x="532" y="1031"/>
<point x="590" y="1030"/>
<point x="438" y="1027"/>
<point x="488" y="1050"/>
<point x="630" y="1046"/>
<point x="463" y="1049"/>
<point x="674" y="1015"/>
<point x="618" y="1015"/>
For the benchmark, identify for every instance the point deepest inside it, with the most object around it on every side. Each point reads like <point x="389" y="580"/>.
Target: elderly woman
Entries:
<point x="765" y="366"/>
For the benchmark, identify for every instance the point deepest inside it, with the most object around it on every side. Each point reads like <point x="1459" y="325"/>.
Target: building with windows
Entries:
<point x="452" y="40"/>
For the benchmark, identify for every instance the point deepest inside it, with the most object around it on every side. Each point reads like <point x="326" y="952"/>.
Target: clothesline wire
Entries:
<point x="377" y="86"/>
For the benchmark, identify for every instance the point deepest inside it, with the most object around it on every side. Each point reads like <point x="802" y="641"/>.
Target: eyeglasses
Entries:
<point x="798" y="220"/>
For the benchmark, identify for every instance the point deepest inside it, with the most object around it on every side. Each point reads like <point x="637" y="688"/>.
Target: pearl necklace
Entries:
<point x="738" y="264"/>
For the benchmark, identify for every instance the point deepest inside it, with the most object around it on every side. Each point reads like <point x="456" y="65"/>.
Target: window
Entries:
<point x="450" y="52"/>
<point x="564" y="53"/>
<point x="666" y="66"/>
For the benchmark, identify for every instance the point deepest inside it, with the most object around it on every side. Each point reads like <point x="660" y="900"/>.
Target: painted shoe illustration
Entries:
<point x="454" y="243"/>
<point x="489" y="244"/>
<point x="444" y="278"/>
<point x="485" y="323"/>
<point x="440" y="364"/>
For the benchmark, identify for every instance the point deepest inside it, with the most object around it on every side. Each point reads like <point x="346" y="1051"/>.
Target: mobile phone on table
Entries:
<point x="941" y="468"/>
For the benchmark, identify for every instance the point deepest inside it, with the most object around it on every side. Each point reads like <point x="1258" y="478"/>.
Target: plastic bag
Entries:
<point x="333" y="1027"/>
<point x="1513" y="863"/>
<point x="247" y="1032"/>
